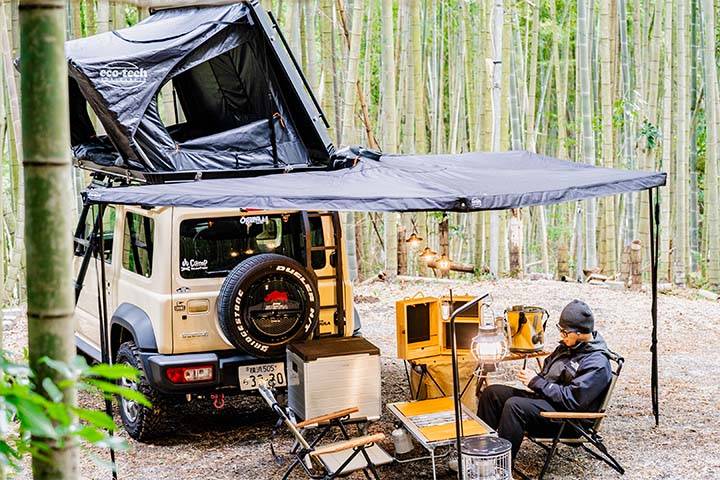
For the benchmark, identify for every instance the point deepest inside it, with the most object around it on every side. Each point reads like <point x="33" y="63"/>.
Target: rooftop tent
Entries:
<point x="239" y="101"/>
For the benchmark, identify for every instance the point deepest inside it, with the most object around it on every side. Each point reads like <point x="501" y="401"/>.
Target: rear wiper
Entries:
<point x="214" y="272"/>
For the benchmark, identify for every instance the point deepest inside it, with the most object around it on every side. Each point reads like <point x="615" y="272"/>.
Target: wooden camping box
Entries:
<point x="466" y="325"/>
<point x="423" y="332"/>
<point x="417" y="322"/>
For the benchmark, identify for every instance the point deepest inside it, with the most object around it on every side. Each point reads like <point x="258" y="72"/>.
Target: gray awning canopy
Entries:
<point x="461" y="183"/>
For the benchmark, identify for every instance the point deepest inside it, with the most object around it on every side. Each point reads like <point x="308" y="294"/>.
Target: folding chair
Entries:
<point x="585" y="426"/>
<point x="333" y="460"/>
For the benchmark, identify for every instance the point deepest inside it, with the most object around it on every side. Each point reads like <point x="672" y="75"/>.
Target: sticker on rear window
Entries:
<point x="193" y="265"/>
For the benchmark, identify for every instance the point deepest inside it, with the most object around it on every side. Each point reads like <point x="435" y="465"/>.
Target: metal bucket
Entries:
<point x="527" y="328"/>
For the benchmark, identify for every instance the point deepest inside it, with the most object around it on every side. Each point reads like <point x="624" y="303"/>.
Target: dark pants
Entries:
<point x="512" y="412"/>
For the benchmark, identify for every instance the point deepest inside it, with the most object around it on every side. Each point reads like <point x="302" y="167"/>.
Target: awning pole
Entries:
<point x="654" y="246"/>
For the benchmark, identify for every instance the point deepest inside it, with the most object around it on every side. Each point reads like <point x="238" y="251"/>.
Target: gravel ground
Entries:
<point x="233" y="443"/>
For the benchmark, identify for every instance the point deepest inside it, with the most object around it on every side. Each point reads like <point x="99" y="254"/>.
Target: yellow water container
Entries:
<point x="527" y="328"/>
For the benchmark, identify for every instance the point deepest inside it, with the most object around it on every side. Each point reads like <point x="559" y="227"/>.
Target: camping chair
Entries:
<point x="333" y="460"/>
<point x="585" y="426"/>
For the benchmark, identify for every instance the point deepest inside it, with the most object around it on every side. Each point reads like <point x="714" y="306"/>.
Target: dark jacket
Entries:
<point x="575" y="379"/>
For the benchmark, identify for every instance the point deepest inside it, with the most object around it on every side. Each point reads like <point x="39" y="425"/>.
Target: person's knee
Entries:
<point x="492" y="393"/>
<point x="515" y="406"/>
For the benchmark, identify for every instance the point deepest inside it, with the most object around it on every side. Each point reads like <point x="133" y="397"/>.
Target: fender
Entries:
<point x="137" y="322"/>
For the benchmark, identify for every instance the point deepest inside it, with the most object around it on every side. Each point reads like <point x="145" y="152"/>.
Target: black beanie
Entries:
<point x="577" y="317"/>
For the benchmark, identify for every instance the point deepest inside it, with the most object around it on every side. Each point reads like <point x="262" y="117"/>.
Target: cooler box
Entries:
<point x="330" y="374"/>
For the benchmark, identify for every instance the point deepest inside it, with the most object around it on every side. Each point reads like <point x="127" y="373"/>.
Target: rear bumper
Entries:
<point x="225" y="366"/>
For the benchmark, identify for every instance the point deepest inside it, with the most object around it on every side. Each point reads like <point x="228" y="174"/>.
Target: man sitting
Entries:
<point x="573" y="378"/>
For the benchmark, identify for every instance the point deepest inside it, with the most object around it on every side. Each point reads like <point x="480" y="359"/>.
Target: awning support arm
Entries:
<point x="654" y="211"/>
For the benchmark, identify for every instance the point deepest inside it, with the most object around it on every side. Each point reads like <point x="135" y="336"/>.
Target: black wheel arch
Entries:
<point x="130" y="322"/>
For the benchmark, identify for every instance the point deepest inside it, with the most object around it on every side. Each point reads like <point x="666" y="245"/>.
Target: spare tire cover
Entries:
<point x="266" y="302"/>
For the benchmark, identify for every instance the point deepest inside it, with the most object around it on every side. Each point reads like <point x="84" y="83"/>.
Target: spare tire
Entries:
<point x="266" y="302"/>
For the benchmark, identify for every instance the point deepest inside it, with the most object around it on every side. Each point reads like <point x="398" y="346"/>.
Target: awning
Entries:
<point x="404" y="183"/>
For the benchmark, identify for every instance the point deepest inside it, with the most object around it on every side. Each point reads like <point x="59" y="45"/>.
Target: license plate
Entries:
<point x="251" y="376"/>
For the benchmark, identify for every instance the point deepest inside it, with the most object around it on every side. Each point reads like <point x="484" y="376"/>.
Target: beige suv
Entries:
<point x="203" y="301"/>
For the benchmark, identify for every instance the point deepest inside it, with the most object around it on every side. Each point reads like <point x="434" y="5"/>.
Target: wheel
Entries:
<point x="141" y="422"/>
<point x="266" y="302"/>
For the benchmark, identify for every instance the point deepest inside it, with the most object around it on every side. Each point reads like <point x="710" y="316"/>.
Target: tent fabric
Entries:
<point x="461" y="183"/>
<point x="241" y="98"/>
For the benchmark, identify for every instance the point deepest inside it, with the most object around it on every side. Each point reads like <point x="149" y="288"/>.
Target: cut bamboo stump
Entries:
<point x="625" y="265"/>
<point x="402" y="253"/>
<point x="636" y="265"/>
<point x="563" y="269"/>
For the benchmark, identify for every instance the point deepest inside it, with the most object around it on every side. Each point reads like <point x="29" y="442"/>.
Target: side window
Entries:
<point x="86" y="230"/>
<point x="317" y="258"/>
<point x="137" y="252"/>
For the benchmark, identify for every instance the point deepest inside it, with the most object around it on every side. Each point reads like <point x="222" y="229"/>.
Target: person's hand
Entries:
<point x="525" y="376"/>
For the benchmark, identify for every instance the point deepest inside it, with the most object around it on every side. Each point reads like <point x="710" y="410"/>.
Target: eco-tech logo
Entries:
<point x="122" y="74"/>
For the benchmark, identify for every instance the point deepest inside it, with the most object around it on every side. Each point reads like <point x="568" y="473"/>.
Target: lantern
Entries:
<point x="413" y="241"/>
<point x="443" y="262"/>
<point x="428" y="255"/>
<point x="490" y="344"/>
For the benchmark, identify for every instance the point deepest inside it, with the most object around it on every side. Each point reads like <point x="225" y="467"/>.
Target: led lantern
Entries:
<point x="413" y="240"/>
<point x="490" y="344"/>
<point x="443" y="262"/>
<point x="428" y="255"/>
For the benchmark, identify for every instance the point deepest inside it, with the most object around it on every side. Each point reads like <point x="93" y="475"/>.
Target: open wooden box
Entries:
<point x="423" y="332"/>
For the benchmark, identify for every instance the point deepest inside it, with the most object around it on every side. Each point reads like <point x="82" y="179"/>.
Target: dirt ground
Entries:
<point x="233" y="443"/>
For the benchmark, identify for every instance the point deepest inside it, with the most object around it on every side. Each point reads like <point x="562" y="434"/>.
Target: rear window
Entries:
<point x="211" y="247"/>
<point x="138" y="244"/>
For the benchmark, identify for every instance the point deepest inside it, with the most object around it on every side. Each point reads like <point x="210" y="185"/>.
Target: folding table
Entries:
<point x="432" y="425"/>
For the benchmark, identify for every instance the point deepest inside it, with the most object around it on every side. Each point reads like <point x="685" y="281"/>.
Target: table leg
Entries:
<point x="432" y="458"/>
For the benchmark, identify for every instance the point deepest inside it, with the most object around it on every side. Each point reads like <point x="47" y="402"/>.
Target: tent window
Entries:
<point x="171" y="111"/>
<point x="138" y="244"/>
<point x="223" y="93"/>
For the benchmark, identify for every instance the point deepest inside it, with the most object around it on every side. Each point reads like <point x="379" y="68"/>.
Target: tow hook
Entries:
<point x="218" y="400"/>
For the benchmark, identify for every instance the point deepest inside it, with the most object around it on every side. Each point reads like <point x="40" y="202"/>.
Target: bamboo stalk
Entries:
<point x="712" y="193"/>
<point x="46" y="144"/>
<point x="16" y="219"/>
<point x="681" y="173"/>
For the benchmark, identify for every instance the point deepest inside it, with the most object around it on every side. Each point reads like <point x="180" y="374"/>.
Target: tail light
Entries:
<point x="195" y="373"/>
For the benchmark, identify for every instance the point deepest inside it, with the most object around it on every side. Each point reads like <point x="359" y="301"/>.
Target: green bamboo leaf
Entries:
<point x="8" y="451"/>
<point x="111" y="441"/>
<point x="33" y="419"/>
<point x="107" y="387"/>
<point x="52" y="390"/>
<point x="59" y="412"/>
<point x="90" y="434"/>
<point x="95" y="418"/>
<point x="113" y="372"/>
<point x="79" y="363"/>
<point x="58" y="366"/>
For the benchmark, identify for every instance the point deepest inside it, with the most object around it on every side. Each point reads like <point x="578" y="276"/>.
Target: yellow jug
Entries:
<point x="527" y="328"/>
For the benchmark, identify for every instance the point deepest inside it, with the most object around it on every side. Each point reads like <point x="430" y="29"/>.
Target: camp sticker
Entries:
<point x="193" y="265"/>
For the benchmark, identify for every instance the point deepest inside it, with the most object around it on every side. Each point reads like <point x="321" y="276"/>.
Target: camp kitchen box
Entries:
<point x="330" y="374"/>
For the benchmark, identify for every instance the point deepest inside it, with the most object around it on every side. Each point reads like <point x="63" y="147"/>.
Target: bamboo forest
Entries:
<point x="620" y="84"/>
